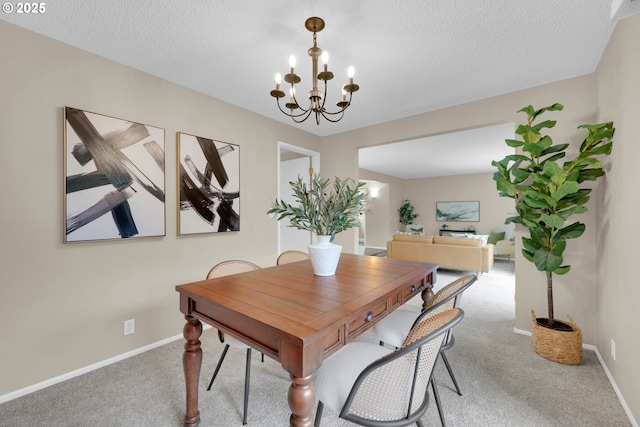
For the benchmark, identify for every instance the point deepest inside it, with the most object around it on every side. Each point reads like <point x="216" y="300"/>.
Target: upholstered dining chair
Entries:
<point x="370" y="385"/>
<point x="394" y="327"/>
<point x="291" y="256"/>
<point x="227" y="268"/>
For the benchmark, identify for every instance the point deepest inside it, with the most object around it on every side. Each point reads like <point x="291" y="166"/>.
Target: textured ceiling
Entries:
<point x="410" y="56"/>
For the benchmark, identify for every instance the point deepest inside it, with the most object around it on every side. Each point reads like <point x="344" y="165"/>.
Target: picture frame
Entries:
<point x="458" y="211"/>
<point x="208" y="185"/>
<point x="114" y="186"/>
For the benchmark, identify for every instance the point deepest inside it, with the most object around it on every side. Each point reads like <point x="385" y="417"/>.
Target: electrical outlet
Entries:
<point x="613" y="350"/>
<point x="129" y="326"/>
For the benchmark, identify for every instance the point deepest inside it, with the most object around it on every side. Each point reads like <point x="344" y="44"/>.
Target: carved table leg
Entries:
<point x="427" y="293"/>
<point x="192" y="361"/>
<point x="302" y="397"/>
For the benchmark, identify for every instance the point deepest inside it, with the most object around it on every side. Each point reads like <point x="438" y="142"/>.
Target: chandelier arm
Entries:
<point x="304" y="110"/>
<point x="306" y="116"/>
<point x="324" y="113"/>
<point x="333" y="120"/>
<point x="341" y="111"/>
<point x="291" y="114"/>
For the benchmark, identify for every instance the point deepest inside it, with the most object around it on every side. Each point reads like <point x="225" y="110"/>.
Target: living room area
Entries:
<point x="383" y="222"/>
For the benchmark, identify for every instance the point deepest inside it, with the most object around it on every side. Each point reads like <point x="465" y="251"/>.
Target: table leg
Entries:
<point x="192" y="361"/>
<point x="427" y="294"/>
<point x="302" y="397"/>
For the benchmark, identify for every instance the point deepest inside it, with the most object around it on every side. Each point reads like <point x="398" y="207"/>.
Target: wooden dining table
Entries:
<point x="295" y="317"/>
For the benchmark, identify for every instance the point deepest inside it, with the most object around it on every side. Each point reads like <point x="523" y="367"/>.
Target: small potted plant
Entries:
<point x="406" y="213"/>
<point x="325" y="211"/>
<point x="547" y="193"/>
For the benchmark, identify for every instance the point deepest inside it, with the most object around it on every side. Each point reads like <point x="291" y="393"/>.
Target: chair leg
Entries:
<point x="436" y="397"/>
<point x="453" y="377"/>
<point x="247" y="377"/>
<point x="224" y="353"/>
<point x="316" y="422"/>
<point x="419" y="423"/>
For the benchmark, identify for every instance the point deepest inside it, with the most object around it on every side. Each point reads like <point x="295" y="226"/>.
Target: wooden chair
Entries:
<point x="291" y="256"/>
<point x="227" y="268"/>
<point x="394" y="327"/>
<point x="369" y="385"/>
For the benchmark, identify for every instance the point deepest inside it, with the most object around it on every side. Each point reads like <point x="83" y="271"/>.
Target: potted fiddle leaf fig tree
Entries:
<point x="406" y="213"/>
<point x="548" y="188"/>
<point x="326" y="211"/>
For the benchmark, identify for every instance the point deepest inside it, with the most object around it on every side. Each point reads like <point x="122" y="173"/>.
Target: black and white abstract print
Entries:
<point x="209" y="185"/>
<point x="115" y="179"/>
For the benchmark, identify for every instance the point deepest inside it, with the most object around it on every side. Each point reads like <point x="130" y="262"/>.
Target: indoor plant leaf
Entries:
<point x="572" y="231"/>
<point x="545" y="260"/>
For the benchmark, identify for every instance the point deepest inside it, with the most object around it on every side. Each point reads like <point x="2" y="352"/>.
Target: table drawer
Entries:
<point x="333" y="339"/>
<point x="410" y="291"/>
<point x="366" y="315"/>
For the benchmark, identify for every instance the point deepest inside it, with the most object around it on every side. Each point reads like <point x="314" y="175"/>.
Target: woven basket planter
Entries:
<point x="559" y="346"/>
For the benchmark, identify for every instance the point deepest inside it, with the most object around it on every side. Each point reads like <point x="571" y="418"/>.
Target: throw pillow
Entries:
<point x="416" y="229"/>
<point x="482" y="237"/>
<point x="495" y="237"/>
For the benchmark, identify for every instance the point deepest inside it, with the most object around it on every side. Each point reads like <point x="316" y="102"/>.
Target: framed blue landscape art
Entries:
<point x="458" y="211"/>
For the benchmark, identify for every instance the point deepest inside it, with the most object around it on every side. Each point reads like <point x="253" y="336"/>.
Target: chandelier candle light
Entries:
<point x="316" y="97"/>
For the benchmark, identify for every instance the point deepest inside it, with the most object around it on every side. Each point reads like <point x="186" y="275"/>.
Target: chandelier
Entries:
<point x="317" y="98"/>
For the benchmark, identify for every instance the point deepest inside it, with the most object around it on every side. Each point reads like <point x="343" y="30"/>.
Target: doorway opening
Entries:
<point x="294" y="162"/>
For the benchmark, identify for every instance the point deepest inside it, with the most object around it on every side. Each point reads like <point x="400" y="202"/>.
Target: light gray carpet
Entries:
<point x="504" y="383"/>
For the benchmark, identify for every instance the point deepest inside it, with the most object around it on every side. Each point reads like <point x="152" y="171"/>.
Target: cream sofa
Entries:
<point x="458" y="253"/>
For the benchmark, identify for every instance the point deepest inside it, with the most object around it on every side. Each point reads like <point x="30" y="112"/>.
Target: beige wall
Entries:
<point x="618" y="203"/>
<point x="66" y="303"/>
<point x="62" y="307"/>
<point x="384" y="219"/>
<point x="425" y="192"/>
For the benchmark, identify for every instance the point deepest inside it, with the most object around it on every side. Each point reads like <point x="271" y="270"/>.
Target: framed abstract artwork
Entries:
<point x="208" y="185"/>
<point x="458" y="211"/>
<point x="114" y="178"/>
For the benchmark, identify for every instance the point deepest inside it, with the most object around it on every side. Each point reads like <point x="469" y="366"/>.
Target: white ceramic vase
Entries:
<point x="324" y="256"/>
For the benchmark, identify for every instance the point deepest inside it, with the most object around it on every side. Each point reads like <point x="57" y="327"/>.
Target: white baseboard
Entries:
<point x="44" y="384"/>
<point x="626" y="408"/>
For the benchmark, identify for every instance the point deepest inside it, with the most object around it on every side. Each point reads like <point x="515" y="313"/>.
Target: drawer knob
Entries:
<point x="413" y="288"/>
<point x="368" y="317"/>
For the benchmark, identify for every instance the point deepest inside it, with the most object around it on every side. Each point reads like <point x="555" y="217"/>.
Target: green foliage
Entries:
<point x="547" y="192"/>
<point x="321" y="209"/>
<point x="406" y="213"/>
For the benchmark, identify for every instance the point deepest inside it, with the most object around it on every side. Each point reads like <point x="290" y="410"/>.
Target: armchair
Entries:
<point x="504" y="245"/>
<point x="368" y="385"/>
